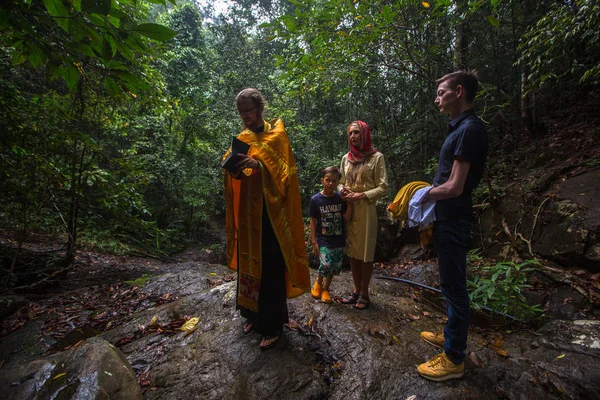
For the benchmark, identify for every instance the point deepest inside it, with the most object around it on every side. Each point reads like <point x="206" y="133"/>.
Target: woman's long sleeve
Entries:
<point x="380" y="179"/>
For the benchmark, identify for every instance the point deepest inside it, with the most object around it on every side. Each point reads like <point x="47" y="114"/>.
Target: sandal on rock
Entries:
<point x="351" y="299"/>
<point x="247" y="327"/>
<point x="362" y="303"/>
<point x="274" y="338"/>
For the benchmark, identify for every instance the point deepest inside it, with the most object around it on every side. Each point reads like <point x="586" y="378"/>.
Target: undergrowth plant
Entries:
<point x="499" y="287"/>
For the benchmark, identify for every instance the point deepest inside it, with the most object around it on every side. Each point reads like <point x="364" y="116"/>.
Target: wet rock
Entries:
<point x="93" y="370"/>
<point x="566" y="219"/>
<point x="333" y="351"/>
<point x="24" y="345"/>
<point x="565" y="303"/>
<point x="10" y="304"/>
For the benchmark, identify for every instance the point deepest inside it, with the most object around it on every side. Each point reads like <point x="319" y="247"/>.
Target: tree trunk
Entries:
<point x="461" y="45"/>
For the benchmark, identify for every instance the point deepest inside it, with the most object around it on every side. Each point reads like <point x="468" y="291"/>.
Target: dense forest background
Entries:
<point x="114" y="116"/>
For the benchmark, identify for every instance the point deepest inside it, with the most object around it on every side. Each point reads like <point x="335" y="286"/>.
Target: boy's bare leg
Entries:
<point x="327" y="282"/>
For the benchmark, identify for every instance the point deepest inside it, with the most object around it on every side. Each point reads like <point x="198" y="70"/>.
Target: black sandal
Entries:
<point x="351" y="299"/>
<point x="362" y="303"/>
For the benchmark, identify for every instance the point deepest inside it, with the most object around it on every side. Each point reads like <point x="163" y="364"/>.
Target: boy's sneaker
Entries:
<point x="440" y="368"/>
<point x="326" y="297"/>
<point x="316" y="290"/>
<point x="434" y="338"/>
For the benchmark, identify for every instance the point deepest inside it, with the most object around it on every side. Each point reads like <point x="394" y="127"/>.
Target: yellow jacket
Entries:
<point x="399" y="207"/>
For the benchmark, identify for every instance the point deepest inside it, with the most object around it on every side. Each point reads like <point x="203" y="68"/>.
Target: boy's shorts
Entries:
<point x="331" y="261"/>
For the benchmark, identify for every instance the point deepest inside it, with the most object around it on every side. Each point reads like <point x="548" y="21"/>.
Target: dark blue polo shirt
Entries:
<point x="468" y="140"/>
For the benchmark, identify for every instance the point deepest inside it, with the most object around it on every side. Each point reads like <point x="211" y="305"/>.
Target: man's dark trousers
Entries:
<point x="451" y="243"/>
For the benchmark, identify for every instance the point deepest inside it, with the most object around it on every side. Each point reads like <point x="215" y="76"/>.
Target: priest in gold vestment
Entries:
<point x="265" y="230"/>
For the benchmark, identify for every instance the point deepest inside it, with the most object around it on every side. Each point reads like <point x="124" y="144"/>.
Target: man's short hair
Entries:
<point x="331" y="170"/>
<point x="466" y="78"/>
<point x="251" y="93"/>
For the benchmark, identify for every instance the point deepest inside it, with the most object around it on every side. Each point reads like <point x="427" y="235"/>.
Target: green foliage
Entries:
<point x="73" y="39"/>
<point x="499" y="287"/>
<point x="114" y="139"/>
<point x="564" y="45"/>
<point x="139" y="281"/>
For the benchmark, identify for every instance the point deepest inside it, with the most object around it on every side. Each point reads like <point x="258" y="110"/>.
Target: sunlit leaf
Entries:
<point x="192" y="322"/>
<point x="425" y="4"/>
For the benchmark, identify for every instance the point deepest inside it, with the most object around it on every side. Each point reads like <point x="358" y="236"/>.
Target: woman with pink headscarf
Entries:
<point x="364" y="180"/>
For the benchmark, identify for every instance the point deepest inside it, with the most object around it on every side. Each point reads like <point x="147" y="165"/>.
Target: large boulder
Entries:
<point x="93" y="370"/>
<point x="562" y="225"/>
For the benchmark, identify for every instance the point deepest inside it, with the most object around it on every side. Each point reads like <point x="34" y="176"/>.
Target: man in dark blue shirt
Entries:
<point x="460" y="168"/>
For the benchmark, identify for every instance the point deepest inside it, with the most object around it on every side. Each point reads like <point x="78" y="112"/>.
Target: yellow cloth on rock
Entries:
<point x="399" y="207"/>
<point x="275" y="183"/>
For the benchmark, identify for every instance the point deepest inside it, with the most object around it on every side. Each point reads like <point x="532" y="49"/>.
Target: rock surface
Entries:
<point x="328" y="352"/>
<point x="93" y="370"/>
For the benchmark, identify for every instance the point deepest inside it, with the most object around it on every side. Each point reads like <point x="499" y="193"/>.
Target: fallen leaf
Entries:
<point x="413" y="397"/>
<point x="190" y="323"/>
<point x="59" y="376"/>
<point x="499" y="342"/>
<point x="561" y="356"/>
<point x="153" y="321"/>
<point x="503" y="353"/>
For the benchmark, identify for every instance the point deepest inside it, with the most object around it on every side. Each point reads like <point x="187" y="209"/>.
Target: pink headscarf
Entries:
<point x="356" y="155"/>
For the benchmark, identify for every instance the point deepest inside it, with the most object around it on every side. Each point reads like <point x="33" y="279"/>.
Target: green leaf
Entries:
<point x="96" y="6"/>
<point x="125" y="50"/>
<point x="18" y="58"/>
<point x="163" y="2"/>
<point x="81" y="48"/>
<point x="133" y="80"/>
<point x="116" y="22"/>
<point x="36" y="56"/>
<point x="70" y="75"/>
<point x="155" y="31"/>
<point x="56" y="8"/>
<point x="113" y="88"/>
<point x="493" y="21"/>
<point x="387" y="13"/>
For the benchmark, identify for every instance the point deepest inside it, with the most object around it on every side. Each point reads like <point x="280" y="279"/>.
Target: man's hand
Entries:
<point x="246" y="162"/>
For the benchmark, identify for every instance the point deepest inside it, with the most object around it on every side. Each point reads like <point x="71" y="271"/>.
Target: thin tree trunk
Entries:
<point x="461" y="45"/>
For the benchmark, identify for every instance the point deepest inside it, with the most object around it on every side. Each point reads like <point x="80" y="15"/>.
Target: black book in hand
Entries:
<point x="237" y="147"/>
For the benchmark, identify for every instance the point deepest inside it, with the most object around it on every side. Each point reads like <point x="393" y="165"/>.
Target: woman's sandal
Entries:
<point x="351" y="299"/>
<point x="274" y="338"/>
<point x="362" y="303"/>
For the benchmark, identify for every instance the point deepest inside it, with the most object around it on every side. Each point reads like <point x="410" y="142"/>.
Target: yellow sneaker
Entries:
<point x="434" y="338"/>
<point x="440" y="368"/>
<point x="326" y="297"/>
<point x="316" y="290"/>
